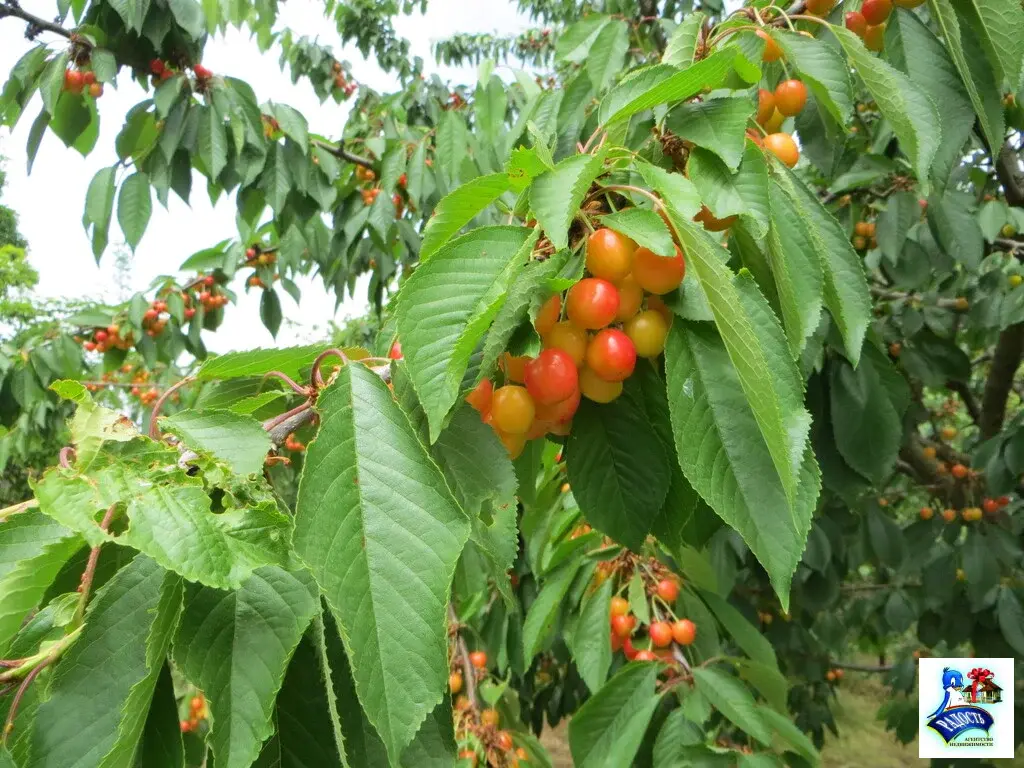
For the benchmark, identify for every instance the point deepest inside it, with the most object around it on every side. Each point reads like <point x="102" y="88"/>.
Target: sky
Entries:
<point x="49" y="202"/>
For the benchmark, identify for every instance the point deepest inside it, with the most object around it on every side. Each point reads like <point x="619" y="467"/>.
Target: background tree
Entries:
<point x="667" y="414"/>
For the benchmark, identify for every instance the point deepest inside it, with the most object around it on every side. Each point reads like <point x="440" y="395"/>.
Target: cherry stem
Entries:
<point x="269" y="424"/>
<point x="316" y="379"/>
<point x="468" y="671"/>
<point x="9" y="725"/>
<point x="154" y="430"/>
<point x="636" y="190"/>
<point x="14" y="509"/>
<point x="90" y="570"/>
<point x="287" y="380"/>
<point x="67" y="454"/>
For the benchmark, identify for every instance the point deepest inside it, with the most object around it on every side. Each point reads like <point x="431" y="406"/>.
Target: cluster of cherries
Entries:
<point x="834" y="675"/>
<point x="339" y="81"/>
<point x="773" y="107"/>
<point x="256" y="257"/>
<point x="78" y="81"/>
<point x="197" y="714"/>
<point x="869" y="22"/>
<point x="590" y="344"/>
<point x="103" y="339"/>
<point x="864" y="235"/>
<point x="661" y="633"/>
<point x="968" y="514"/>
<point x="369" y="192"/>
<point x="209" y="297"/>
<point x="479" y="733"/>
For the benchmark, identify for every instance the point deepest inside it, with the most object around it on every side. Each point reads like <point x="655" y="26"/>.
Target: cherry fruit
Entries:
<point x="658" y="274"/>
<point x="551" y="377"/>
<point x="648" y="331"/>
<point x="593" y="387"/>
<point x="548" y="315"/>
<point x="660" y="633"/>
<point x="609" y="254"/>
<point x="611" y="355"/>
<point x="790" y="97"/>
<point x="684" y="631"/>
<point x="568" y="338"/>
<point x="783" y="147"/>
<point x="592" y="303"/>
<point x="512" y="409"/>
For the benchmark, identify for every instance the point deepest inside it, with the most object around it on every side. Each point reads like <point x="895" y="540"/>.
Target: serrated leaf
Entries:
<point x="1000" y="26"/>
<point x="239" y="441"/>
<point x="51" y="81"/>
<point x="161" y="737"/>
<point x="544" y="610"/>
<point x="99" y="207"/>
<point x="212" y="142"/>
<point x="781" y="724"/>
<point x="444" y="309"/>
<point x="683" y="42"/>
<point x="450" y="145"/>
<point x="822" y="69"/>
<point x="867" y="427"/>
<point x="607" y="53"/>
<point x="913" y="48"/>
<point x="746" y="635"/>
<point x="33" y="549"/>
<point x="134" y="206"/>
<point x="291" y="361"/>
<point x="744" y="193"/>
<point x="276" y="179"/>
<point x="126" y="635"/>
<point x="617" y="467"/>
<point x="644" y="227"/>
<point x="911" y="112"/>
<point x="715" y="124"/>
<point x="590" y="643"/>
<point x="556" y="195"/>
<point x="457" y="209"/>
<point x="1011" y="618"/>
<point x="730" y="697"/>
<point x="955" y="227"/>
<point x="381" y="533"/>
<point x="607" y="730"/>
<point x="577" y="38"/>
<point x="845" y="284"/>
<point x="270" y="311"/>
<point x="293" y="125"/>
<point x="726" y="460"/>
<point x="235" y="646"/>
<point x="636" y="95"/>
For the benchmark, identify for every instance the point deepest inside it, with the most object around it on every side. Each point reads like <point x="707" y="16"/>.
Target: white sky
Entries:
<point x="49" y="203"/>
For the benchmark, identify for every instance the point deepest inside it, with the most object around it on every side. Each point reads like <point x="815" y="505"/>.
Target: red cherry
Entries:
<point x="668" y="590"/>
<point x="1003" y="501"/>
<point x="480" y="397"/>
<point x="548" y="315"/>
<point x="856" y="23"/>
<point x="645" y="655"/>
<point x="560" y="412"/>
<point x="504" y="741"/>
<point x="202" y="72"/>
<point x="660" y="633"/>
<point x="190" y="313"/>
<point x="991" y="506"/>
<point x="658" y="274"/>
<point x="100" y="336"/>
<point x="609" y="254"/>
<point x="250" y="253"/>
<point x="628" y="649"/>
<point x="90" y="346"/>
<point x="619" y="606"/>
<point x="876" y="11"/>
<point x="167" y="74"/>
<point x="592" y="303"/>
<point x="623" y="625"/>
<point x="89" y="78"/>
<point x="684" y="631"/>
<point x="478" y="659"/>
<point x="209" y="280"/>
<point x="150" y="314"/>
<point x="73" y="80"/>
<point x="611" y="355"/>
<point x="551" y="377"/>
<point x="157" y="67"/>
<point x="395" y="353"/>
<point x="160" y="306"/>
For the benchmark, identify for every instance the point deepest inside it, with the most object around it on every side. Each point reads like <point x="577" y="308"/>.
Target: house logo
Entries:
<point x="966" y="707"/>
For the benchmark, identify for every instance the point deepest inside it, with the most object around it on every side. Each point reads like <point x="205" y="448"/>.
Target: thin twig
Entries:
<point x="12" y="10"/>
<point x="340" y="152"/>
<point x="287" y="380"/>
<point x="154" y="430"/>
<point x="90" y="570"/>
<point x="9" y="725"/>
<point x="315" y="378"/>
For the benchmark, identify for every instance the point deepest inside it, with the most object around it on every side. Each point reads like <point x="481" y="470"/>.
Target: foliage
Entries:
<point x="817" y="452"/>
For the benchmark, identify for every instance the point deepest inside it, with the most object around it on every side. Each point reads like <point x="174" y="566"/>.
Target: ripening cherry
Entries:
<point x="548" y="315"/>
<point x="874" y="38"/>
<point x="1003" y="501"/>
<point x="707" y="219"/>
<point x="100" y="336"/>
<point x="949" y="515"/>
<point x="790" y="97"/>
<point x="568" y="338"/>
<point x="991" y="506"/>
<point x="593" y="387"/>
<point x="609" y="254"/>
<point x="514" y="443"/>
<point x="660" y="633"/>
<point x="623" y="625"/>
<point x="616" y="642"/>
<point x="480" y="398"/>
<point x="631" y="296"/>
<point x="926" y="513"/>
<point x="876" y="11"/>
<point x="684" y="631"/>
<point x="395" y="353"/>
<point x="504" y="741"/>
<point x="514" y="367"/>
<point x="202" y="72"/>
<point x="611" y="355"/>
<point x="856" y="23"/>
<point x="628" y="650"/>
<point x="959" y="471"/>
<point x="74" y="80"/>
<point x="648" y="331"/>
<point x="658" y="274"/>
<point x="551" y="377"/>
<point x="619" y="606"/>
<point x="90" y="346"/>
<point x="820" y="7"/>
<point x="783" y="147"/>
<point x="592" y="303"/>
<point x="156" y="66"/>
<point x="490" y="717"/>
<point x="478" y="659"/>
<point x="772" y="52"/>
<point x="774" y="123"/>
<point x="765" y="105"/>
<point x="149" y="315"/>
<point x="512" y="409"/>
<point x="668" y="590"/>
<point x="455" y="682"/>
<point x="560" y="412"/>
<point x="645" y="655"/>
<point x="89" y="78"/>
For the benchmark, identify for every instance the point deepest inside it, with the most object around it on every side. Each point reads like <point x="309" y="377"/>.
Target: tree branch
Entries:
<point x="862" y="667"/>
<point x="1005" y="361"/>
<point x="967" y="397"/>
<point x="1010" y="176"/>
<point x="11" y="9"/>
<point x="468" y="672"/>
<point x="344" y="154"/>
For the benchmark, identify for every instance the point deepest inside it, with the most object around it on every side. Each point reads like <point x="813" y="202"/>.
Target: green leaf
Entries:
<point x="781" y="724"/>
<point x="239" y="441"/>
<point x="445" y="306"/>
<point x="270" y="311"/>
<point x="213" y="142"/>
<point x="381" y="533"/>
<point x="822" y="69"/>
<point x="845" y="284"/>
<point x="92" y="425"/>
<point x="744" y="193"/>
<point x="746" y="635"/>
<point x="132" y="12"/>
<point x="103" y="64"/>
<point x="556" y="195"/>
<point x="901" y="212"/>
<point x="33" y="549"/>
<point x="291" y="361"/>
<point x="450" y="145"/>
<point x="134" y="207"/>
<point x="950" y="77"/>
<point x="1011" y="618"/>
<point x="768" y="681"/>
<point x="590" y="643"/>
<point x="607" y="730"/>
<point x="51" y="81"/>
<point x="544" y="611"/>
<point x="458" y="208"/>
<point x="99" y="207"/>
<point x="276" y="179"/>
<point x="618" y="468"/>
<point x="999" y="24"/>
<point x="126" y="636"/>
<point x="715" y="124"/>
<point x="608" y="53"/>
<point x="756" y="345"/>
<point x="730" y="697"/>
<point x="190" y="17"/>
<point x="576" y="39"/>
<point x="910" y="111"/>
<point x="635" y="95"/>
<point x="796" y="268"/>
<point x="235" y="646"/>
<point x="644" y="227"/>
<point x="867" y="427"/>
<point x="956" y="228"/>
<point x="683" y="42"/>
<point x="725" y="459"/>
<point x="293" y="125"/>
<point x="161" y="737"/>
